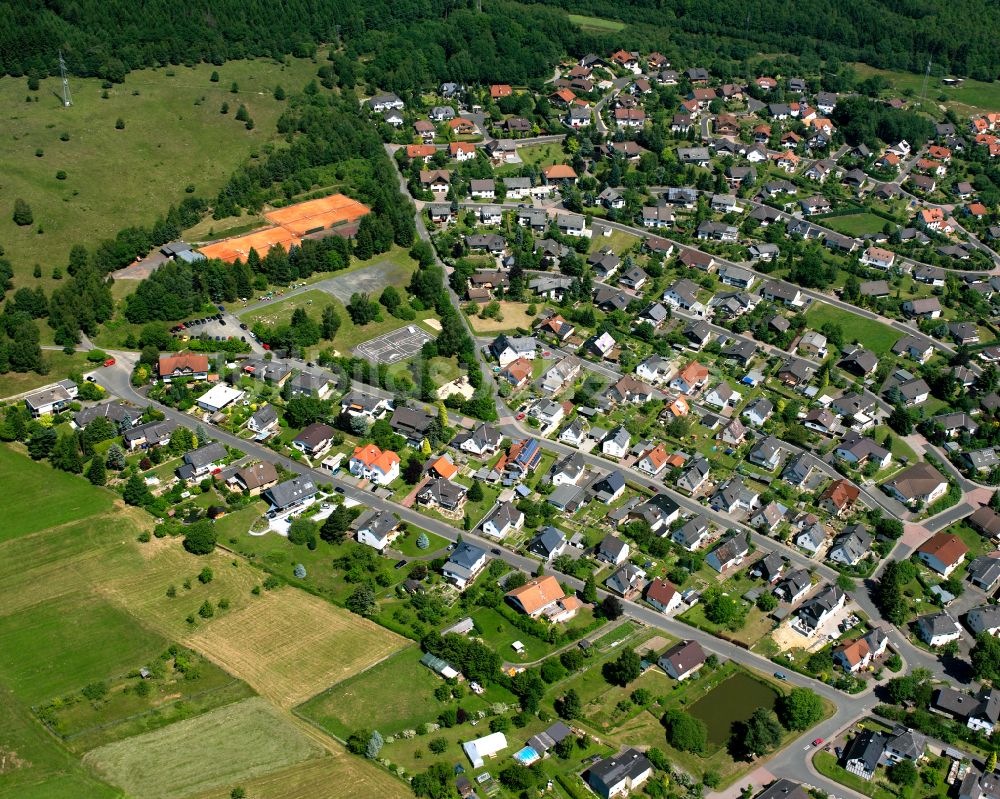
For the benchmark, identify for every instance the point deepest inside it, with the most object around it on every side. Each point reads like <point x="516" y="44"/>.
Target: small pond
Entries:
<point x="732" y="700"/>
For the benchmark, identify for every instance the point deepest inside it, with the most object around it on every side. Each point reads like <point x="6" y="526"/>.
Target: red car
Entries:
<point x="266" y="346"/>
<point x="817" y="742"/>
<point x="519" y="417"/>
<point x="109" y="362"/>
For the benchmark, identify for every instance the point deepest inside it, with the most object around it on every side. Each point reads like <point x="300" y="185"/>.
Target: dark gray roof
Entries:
<point x="466" y="555"/>
<point x="867" y="746"/>
<point x="291" y="491"/>
<point x="612" y="770"/>
<point x="209" y="453"/>
<point x="115" y="411"/>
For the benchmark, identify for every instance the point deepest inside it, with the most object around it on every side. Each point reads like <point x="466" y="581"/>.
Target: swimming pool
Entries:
<point x="527" y="756"/>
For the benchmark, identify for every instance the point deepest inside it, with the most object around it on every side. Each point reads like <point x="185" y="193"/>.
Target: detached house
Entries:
<point x="920" y="483"/>
<point x="728" y="553"/>
<point x="682" y="659"/>
<point x="943" y="552"/>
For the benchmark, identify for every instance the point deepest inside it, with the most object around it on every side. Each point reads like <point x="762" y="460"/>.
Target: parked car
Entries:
<point x="110" y="362"/>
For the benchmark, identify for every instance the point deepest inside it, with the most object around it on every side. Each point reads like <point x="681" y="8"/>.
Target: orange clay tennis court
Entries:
<point x="260" y="240"/>
<point x="306" y="217"/>
<point x="291" y="224"/>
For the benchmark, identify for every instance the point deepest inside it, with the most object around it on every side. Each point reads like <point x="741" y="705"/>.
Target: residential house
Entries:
<point x="767" y="453"/>
<point x="984" y="572"/>
<point x="682" y="659"/>
<point x="504" y="519"/>
<point x="413" y="424"/>
<point x="444" y="494"/>
<point x="695" y="474"/>
<point x="202" y="461"/>
<point x="358" y="404"/>
<point x="691" y="379"/>
<point x="733" y="495"/>
<point x="729" y="553"/>
<point x="864" y="753"/>
<point x="627" y="581"/>
<point x="793" y="586"/>
<point x="853" y="656"/>
<point x="619" y="775"/>
<point x="483" y="440"/>
<point x="692" y="534"/>
<point x="938" y="629"/>
<point x="943" y="552"/>
<point x="314" y="440"/>
<point x="811" y="538"/>
<point x="612" y="550"/>
<point x="182" y="366"/>
<point x="291" y="495"/>
<point x="851" y="546"/>
<point x="814" y="612"/>
<point x="255" y="478"/>
<point x="608" y="488"/>
<point x="617" y="443"/>
<point x="377" y="529"/>
<point x="663" y="596"/>
<point x="920" y="483"/>
<point x="839" y="497"/>
<point x="543" y="597"/>
<point x="464" y="564"/>
<point x="372" y="463"/>
<point x="548" y="543"/>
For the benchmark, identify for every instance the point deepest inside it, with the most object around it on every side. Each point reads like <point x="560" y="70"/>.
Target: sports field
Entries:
<point x="872" y="335"/>
<point x="290" y="645"/>
<point x="220" y="748"/>
<point x="174" y="136"/>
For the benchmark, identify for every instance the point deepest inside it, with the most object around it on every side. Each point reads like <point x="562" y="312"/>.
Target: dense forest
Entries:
<point x="413" y="41"/>
<point x="408" y="43"/>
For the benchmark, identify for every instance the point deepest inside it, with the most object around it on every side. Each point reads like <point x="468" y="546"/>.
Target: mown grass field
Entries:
<point x="35" y="765"/>
<point x="404" y="686"/>
<point x="289" y="662"/>
<point x="596" y="24"/>
<point x="54" y="647"/>
<point x="174" y="136"/>
<point x="83" y="602"/>
<point x="971" y="94"/>
<point x="66" y="497"/>
<point x="854" y="224"/>
<point x="340" y="776"/>
<point x="873" y="335"/>
<point x="221" y="748"/>
<point x="59" y="366"/>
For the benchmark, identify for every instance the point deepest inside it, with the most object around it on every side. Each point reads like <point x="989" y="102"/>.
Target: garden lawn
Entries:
<point x="67" y="497"/>
<point x="872" y="335"/>
<point x="826" y="764"/>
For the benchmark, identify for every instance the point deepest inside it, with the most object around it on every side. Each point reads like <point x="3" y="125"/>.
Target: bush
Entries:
<point x="200" y="538"/>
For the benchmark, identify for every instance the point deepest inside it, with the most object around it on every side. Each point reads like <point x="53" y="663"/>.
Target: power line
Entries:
<point x="67" y="99"/>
